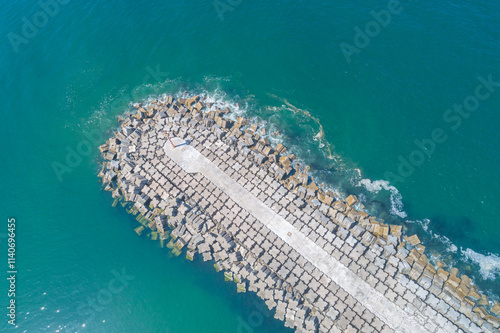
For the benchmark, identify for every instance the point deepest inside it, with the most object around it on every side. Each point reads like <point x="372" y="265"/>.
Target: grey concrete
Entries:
<point x="194" y="162"/>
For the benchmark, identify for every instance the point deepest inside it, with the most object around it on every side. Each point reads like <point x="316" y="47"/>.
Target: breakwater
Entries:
<point x="213" y="186"/>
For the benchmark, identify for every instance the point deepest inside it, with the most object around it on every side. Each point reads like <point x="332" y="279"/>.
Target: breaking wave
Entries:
<point x="489" y="265"/>
<point x="330" y="170"/>
<point x="395" y="197"/>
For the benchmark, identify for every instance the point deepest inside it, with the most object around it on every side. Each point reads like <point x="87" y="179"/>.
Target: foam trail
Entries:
<point x="320" y="136"/>
<point x="489" y="265"/>
<point x="396" y="197"/>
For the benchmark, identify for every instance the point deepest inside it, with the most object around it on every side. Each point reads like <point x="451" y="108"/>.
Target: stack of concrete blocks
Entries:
<point x="205" y="220"/>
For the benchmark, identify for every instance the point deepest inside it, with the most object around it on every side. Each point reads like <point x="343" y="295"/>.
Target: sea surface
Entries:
<point x="352" y="97"/>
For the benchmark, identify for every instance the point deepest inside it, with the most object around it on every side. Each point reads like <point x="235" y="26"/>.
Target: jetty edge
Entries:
<point x="216" y="187"/>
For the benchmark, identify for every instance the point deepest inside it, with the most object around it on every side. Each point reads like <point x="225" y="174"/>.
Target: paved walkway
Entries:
<point x="193" y="161"/>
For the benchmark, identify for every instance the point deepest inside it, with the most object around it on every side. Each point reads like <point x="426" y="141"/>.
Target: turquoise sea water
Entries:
<point x="67" y="81"/>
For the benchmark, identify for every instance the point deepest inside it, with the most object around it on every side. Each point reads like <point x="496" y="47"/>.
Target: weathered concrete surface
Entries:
<point x="192" y="161"/>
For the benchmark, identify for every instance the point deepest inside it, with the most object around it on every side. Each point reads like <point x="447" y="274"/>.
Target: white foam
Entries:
<point x="221" y="100"/>
<point x="395" y="197"/>
<point x="452" y="248"/>
<point x="489" y="265"/>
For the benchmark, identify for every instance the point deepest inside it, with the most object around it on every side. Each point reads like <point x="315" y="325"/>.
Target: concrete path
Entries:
<point x="193" y="161"/>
